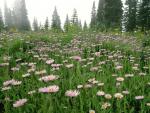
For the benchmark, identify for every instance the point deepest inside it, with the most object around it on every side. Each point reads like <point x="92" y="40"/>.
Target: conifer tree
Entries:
<point x="46" y="26"/>
<point x="100" y="15"/>
<point x="80" y="25"/>
<point x="131" y="15"/>
<point x="24" y="17"/>
<point x="144" y="15"/>
<point x="1" y="21"/>
<point x="85" y="28"/>
<point x="56" y="23"/>
<point x="41" y="27"/>
<point x="93" y="17"/>
<point x="8" y="16"/>
<point x="75" y="17"/>
<point x="35" y="25"/>
<point x="67" y="24"/>
<point x="21" y="17"/>
<point x="109" y="14"/>
<point x="75" y="27"/>
<point x="113" y="13"/>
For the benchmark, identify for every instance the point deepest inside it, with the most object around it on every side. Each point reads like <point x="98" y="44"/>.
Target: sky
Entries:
<point x="44" y="8"/>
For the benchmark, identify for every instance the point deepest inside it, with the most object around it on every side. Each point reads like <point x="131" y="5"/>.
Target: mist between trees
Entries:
<point x="109" y="16"/>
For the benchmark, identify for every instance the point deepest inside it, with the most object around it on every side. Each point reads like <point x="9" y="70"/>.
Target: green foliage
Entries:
<point x="146" y="41"/>
<point x="93" y="17"/>
<point x="74" y="28"/>
<point x="56" y="23"/>
<point x="144" y="15"/>
<point x="46" y="26"/>
<point x="74" y="20"/>
<point x="67" y="24"/>
<point x="1" y="21"/>
<point x="61" y="48"/>
<point x="113" y="13"/>
<point x="35" y="25"/>
<point x="109" y="14"/>
<point x="100" y="15"/>
<point x="70" y="78"/>
<point x="21" y="16"/>
<point x="9" y="20"/>
<point x="131" y="15"/>
<point x="75" y="24"/>
<point x="18" y="17"/>
<point x="85" y="27"/>
<point x="17" y="46"/>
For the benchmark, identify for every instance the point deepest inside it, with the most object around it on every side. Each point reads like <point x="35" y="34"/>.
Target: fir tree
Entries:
<point x="35" y="25"/>
<point x="93" y="17"/>
<point x="75" y="27"/>
<point x="46" y="26"/>
<point x="8" y="17"/>
<point x="144" y="15"/>
<point x="100" y="15"/>
<point x="113" y="13"/>
<point x="21" y="17"/>
<point x="75" y="17"/>
<point x="67" y="24"/>
<point x="85" y="28"/>
<point x="41" y="27"/>
<point x="131" y="15"/>
<point x="24" y="17"/>
<point x="109" y="14"/>
<point x="80" y="25"/>
<point x="1" y="21"/>
<point x="56" y="23"/>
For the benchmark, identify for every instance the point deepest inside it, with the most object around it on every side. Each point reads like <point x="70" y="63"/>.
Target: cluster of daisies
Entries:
<point x="75" y="51"/>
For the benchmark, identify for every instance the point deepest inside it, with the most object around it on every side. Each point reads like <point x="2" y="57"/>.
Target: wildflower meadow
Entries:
<point x="82" y="73"/>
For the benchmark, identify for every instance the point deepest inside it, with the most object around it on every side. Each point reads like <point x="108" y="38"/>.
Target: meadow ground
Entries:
<point x="74" y="73"/>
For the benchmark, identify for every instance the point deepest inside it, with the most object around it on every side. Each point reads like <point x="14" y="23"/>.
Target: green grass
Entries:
<point x="61" y="49"/>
